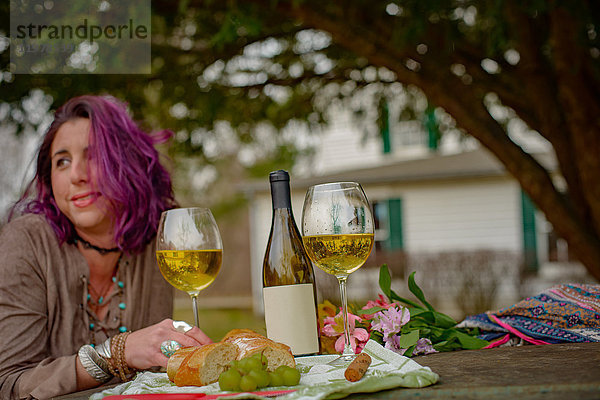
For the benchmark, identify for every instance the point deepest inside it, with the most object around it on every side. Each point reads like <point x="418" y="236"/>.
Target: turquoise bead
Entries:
<point x="114" y="278"/>
<point x="93" y="345"/>
<point x="100" y="300"/>
<point x="122" y="329"/>
<point x="121" y="284"/>
<point x="122" y="306"/>
<point x="89" y="297"/>
<point x="92" y="326"/>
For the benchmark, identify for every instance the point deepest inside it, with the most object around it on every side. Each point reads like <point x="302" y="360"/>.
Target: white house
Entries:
<point x="454" y="215"/>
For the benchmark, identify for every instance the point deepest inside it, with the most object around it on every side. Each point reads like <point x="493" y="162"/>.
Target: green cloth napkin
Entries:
<point x="319" y="381"/>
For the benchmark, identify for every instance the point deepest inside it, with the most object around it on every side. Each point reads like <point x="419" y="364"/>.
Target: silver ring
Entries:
<point x="169" y="347"/>
<point x="181" y="326"/>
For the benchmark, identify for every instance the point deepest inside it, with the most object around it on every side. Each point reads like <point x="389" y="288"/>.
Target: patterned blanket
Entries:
<point x="562" y="313"/>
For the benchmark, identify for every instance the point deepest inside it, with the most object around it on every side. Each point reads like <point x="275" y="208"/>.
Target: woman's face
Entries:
<point x="73" y="181"/>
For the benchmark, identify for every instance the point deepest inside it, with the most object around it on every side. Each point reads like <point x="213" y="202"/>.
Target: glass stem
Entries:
<point x="347" y="348"/>
<point x="195" y="308"/>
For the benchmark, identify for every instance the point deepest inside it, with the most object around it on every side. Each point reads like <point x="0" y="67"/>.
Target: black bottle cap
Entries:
<point x="279" y="175"/>
<point x="280" y="189"/>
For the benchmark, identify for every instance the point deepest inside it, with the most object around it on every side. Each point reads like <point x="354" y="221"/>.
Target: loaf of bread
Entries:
<point x="176" y="359"/>
<point x="199" y="366"/>
<point x="250" y="342"/>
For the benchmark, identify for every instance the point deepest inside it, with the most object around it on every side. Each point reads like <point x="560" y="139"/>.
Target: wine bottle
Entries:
<point x="289" y="291"/>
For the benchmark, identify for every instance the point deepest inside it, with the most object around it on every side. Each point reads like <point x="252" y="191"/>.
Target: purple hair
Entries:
<point x="128" y="170"/>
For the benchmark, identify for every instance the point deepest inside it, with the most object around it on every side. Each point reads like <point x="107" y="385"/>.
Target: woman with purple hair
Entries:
<point x="82" y="301"/>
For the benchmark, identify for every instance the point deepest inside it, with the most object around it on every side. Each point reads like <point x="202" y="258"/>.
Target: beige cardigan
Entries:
<point x="43" y="318"/>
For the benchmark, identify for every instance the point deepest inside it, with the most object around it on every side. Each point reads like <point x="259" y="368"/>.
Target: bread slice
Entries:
<point x="203" y="365"/>
<point x="250" y="343"/>
<point x="176" y="359"/>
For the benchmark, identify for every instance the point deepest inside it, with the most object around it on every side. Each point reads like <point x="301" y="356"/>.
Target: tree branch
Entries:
<point x="581" y="108"/>
<point x="538" y="78"/>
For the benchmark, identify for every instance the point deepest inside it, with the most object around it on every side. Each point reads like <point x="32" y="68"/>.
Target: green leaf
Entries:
<point x="416" y="324"/>
<point x="416" y="290"/>
<point x="447" y="345"/>
<point x="385" y="283"/>
<point x="443" y="320"/>
<point x="411" y="303"/>
<point x="426" y="315"/>
<point x="409" y="351"/>
<point x="469" y="342"/>
<point x="439" y="319"/>
<point x="464" y="341"/>
<point x="376" y="336"/>
<point x="370" y="311"/>
<point x="408" y="339"/>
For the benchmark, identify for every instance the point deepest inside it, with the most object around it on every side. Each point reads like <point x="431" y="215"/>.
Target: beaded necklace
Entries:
<point x="118" y="291"/>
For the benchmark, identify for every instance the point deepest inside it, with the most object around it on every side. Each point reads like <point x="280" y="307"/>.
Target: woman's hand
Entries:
<point x="142" y="348"/>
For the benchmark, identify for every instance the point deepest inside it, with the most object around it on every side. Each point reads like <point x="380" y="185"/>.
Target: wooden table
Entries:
<point x="560" y="371"/>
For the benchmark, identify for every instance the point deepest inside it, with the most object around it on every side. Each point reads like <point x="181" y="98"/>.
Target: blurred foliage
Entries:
<point x="238" y="80"/>
<point x="234" y="62"/>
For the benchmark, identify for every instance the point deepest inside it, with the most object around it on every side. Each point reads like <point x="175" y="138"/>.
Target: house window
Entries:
<point x="389" y="240"/>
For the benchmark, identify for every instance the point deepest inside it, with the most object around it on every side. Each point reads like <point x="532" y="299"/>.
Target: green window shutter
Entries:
<point x="529" y="233"/>
<point x="395" y="240"/>
<point x="433" y="130"/>
<point x="385" y="129"/>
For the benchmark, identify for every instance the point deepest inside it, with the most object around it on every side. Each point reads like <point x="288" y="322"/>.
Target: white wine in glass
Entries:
<point x="338" y="230"/>
<point x="189" y="250"/>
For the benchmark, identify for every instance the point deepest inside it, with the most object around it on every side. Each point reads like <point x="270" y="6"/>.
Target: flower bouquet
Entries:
<point x="401" y="325"/>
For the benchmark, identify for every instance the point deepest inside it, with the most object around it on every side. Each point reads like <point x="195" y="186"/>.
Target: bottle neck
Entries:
<point x="280" y="195"/>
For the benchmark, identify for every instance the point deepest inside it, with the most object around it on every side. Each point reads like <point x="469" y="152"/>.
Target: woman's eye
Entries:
<point x="62" y="162"/>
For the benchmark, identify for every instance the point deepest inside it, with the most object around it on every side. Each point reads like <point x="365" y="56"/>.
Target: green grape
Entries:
<point x="230" y="380"/>
<point x="276" y="379"/>
<point x="252" y="363"/>
<point x="281" y="368"/>
<point x="263" y="360"/>
<point x="247" y="383"/>
<point x="291" y="376"/>
<point x="241" y="364"/>
<point x="261" y="377"/>
<point x="251" y="373"/>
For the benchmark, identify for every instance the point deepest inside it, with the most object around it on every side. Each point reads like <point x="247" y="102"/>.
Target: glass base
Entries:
<point x="343" y="360"/>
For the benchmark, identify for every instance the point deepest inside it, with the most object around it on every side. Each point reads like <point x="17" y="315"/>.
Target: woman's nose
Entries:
<point x="79" y="171"/>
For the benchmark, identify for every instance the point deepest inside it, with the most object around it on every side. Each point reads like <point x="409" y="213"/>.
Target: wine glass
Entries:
<point x="189" y="250"/>
<point x="337" y="225"/>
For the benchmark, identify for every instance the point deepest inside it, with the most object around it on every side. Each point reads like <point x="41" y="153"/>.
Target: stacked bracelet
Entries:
<point x="103" y="349"/>
<point x="107" y="360"/>
<point x="117" y="365"/>
<point x="94" y="364"/>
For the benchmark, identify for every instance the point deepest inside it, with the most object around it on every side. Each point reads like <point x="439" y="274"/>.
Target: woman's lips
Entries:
<point x="84" y="200"/>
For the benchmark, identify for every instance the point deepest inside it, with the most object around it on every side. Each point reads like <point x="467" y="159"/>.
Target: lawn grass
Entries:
<point x="217" y="322"/>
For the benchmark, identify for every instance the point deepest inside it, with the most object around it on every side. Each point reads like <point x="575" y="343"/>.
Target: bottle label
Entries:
<point x="290" y="317"/>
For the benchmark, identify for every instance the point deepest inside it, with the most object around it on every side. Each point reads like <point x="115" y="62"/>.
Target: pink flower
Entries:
<point x="358" y="340"/>
<point x="334" y="326"/>
<point x="382" y="301"/>
<point x="390" y="321"/>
